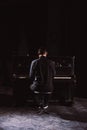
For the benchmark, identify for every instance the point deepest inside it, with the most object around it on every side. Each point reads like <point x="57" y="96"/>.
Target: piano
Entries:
<point x="64" y="81"/>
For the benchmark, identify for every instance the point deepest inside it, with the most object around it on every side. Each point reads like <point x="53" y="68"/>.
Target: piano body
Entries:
<point x="64" y="79"/>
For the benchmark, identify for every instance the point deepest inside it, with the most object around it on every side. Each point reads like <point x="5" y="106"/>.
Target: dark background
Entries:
<point x="61" y="26"/>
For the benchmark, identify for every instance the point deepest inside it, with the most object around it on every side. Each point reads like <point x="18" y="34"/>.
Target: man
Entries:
<point x="42" y="71"/>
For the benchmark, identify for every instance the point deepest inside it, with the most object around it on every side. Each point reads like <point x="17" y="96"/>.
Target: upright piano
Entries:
<point x="64" y="80"/>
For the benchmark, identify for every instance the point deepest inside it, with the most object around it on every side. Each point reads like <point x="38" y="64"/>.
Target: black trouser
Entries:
<point x="42" y="99"/>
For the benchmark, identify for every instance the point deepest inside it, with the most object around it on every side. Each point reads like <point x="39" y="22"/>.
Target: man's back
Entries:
<point x="43" y="71"/>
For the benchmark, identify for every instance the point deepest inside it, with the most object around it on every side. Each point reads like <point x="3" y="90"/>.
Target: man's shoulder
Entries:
<point x="35" y="61"/>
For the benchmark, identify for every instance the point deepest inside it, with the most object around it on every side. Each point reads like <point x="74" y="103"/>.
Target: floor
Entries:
<point x="60" y="117"/>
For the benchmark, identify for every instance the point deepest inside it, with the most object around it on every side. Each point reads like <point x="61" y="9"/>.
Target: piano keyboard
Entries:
<point x="56" y="77"/>
<point x="62" y="77"/>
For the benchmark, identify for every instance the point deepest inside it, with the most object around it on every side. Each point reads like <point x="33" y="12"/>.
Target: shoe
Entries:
<point x="45" y="107"/>
<point x="43" y="110"/>
<point x="46" y="112"/>
<point x="40" y="112"/>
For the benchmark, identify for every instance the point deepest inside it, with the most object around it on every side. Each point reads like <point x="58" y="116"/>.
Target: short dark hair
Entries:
<point x="42" y="50"/>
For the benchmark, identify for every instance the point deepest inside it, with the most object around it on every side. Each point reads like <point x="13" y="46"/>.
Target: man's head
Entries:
<point x="42" y="52"/>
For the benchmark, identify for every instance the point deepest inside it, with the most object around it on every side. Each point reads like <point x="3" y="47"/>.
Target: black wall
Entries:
<point x="61" y="26"/>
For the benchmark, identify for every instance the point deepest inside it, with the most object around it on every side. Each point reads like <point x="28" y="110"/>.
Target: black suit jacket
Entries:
<point x="42" y="71"/>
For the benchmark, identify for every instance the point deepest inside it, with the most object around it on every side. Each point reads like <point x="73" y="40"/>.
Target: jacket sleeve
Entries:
<point x="32" y="70"/>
